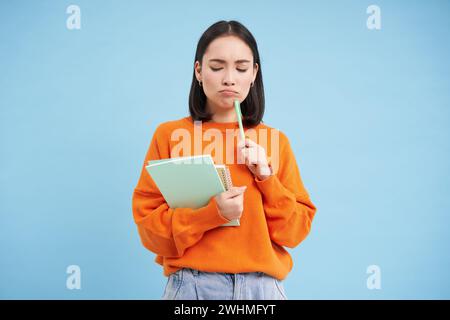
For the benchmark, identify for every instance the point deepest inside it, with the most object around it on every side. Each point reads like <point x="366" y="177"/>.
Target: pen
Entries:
<point x="237" y="107"/>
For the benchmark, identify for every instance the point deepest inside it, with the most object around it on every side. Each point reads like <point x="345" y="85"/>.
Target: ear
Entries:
<point x="255" y="71"/>
<point x="198" y="70"/>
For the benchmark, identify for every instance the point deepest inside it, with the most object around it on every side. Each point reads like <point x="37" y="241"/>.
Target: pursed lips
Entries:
<point x="228" y="91"/>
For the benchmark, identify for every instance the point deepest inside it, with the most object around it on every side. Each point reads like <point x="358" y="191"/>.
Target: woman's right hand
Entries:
<point x="231" y="203"/>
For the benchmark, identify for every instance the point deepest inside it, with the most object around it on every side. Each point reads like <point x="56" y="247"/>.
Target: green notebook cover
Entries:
<point x="187" y="182"/>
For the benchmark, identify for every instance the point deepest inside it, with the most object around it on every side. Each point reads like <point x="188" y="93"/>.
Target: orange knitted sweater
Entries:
<point x="277" y="210"/>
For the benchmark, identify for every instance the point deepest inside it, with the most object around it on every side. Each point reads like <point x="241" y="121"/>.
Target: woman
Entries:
<point x="202" y="258"/>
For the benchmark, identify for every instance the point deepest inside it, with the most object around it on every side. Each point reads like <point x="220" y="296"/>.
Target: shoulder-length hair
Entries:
<point x="252" y="107"/>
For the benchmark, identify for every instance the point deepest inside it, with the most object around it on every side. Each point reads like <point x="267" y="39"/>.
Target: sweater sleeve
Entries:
<point x="287" y="206"/>
<point x="165" y="231"/>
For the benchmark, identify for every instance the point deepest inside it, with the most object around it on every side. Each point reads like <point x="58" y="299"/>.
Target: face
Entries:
<point x="226" y="72"/>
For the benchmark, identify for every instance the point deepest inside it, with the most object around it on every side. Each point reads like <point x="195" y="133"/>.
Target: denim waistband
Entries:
<point x="195" y="272"/>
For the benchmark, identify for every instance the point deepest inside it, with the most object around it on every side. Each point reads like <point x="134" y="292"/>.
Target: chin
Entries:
<point x="227" y="103"/>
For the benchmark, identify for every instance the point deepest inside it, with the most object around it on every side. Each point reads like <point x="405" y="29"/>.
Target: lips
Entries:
<point x="228" y="92"/>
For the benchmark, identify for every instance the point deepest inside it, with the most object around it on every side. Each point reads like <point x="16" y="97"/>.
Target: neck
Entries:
<point x="222" y="115"/>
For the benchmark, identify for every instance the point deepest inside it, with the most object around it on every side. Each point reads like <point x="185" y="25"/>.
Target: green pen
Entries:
<point x="237" y="108"/>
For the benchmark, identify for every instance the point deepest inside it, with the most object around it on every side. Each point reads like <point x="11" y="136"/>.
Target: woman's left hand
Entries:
<point x="255" y="158"/>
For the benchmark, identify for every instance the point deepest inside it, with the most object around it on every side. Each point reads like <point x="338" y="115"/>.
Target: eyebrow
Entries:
<point x="223" y="61"/>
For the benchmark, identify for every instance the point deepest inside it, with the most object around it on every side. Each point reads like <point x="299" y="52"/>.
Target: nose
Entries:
<point x="228" y="79"/>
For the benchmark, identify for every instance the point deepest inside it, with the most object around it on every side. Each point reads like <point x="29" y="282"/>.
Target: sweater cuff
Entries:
<point x="207" y="217"/>
<point x="271" y="188"/>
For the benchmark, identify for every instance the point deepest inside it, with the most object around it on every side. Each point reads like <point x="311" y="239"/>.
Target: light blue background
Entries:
<point x="367" y="113"/>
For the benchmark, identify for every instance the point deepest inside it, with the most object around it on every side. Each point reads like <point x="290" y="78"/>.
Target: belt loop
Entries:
<point x="195" y="272"/>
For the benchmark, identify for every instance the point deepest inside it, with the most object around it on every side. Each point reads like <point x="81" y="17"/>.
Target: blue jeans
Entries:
<point x="190" y="284"/>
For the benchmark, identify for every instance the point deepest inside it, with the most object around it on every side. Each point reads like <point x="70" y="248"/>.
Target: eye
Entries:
<point x="215" y="69"/>
<point x="241" y="70"/>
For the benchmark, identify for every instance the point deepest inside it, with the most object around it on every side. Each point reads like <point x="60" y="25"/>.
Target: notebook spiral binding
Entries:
<point x="225" y="176"/>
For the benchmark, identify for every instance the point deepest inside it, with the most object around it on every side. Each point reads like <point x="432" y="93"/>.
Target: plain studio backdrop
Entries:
<point x="366" y="111"/>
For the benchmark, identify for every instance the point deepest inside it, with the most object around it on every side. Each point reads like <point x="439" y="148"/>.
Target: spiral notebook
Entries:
<point x="189" y="182"/>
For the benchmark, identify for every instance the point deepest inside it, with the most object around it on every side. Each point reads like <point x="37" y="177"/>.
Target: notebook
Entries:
<point x="189" y="182"/>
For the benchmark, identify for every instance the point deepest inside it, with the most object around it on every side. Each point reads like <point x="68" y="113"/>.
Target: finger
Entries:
<point x="241" y="144"/>
<point x="250" y="143"/>
<point x="246" y="154"/>
<point x="235" y="191"/>
<point x="236" y="196"/>
<point x="250" y="156"/>
<point x="250" y="162"/>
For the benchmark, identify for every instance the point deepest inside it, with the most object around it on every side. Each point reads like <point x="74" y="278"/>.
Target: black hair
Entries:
<point x="252" y="107"/>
